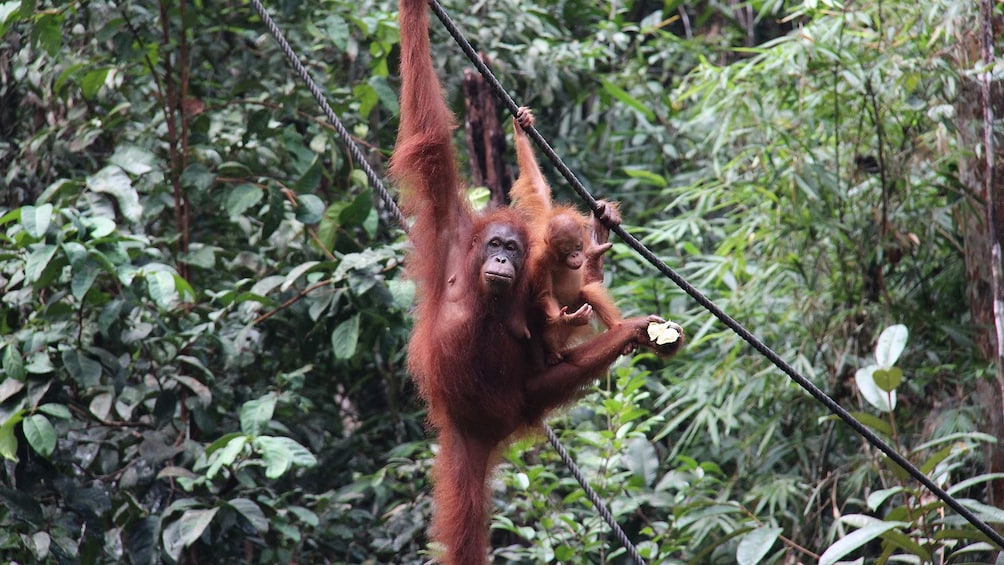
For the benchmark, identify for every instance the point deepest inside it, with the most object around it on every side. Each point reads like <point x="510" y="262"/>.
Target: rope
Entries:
<point x="601" y="507"/>
<point x="343" y="134"/>
<point x="731" y="323"/>
<point x="375" y="182"/>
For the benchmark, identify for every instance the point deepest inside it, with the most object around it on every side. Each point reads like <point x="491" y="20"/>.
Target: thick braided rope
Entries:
<point x="601" y="507"/>
<point x="704" y="301"/>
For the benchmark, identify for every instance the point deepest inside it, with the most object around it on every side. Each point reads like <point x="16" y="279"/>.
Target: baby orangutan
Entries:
<point x="567" y="254"/>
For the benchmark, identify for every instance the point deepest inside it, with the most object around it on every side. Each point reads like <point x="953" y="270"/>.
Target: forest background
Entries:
<point x="203" y="317"/>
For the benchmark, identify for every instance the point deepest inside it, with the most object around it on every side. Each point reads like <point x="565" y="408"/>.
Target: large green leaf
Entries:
<point x="870" y="391"/>
<point x="12" y="363"/>
<point x="857" y="539"/>
<point x="345" y="338"/>
<point x="242" y="197"/>
<point x="256" y="414"/>
<point x="37" y="262"/>
<point x="891" y="343"/>
<point x="112" y="180"/>
<point x="251" y="511"/>
<point x="642" y="460"/>
<point x="36" y="220"/>
<point x="184" y="531"/>
<point x="84" y="370"/>
<point x="755" y="544"/>
<point x="8" y="441"/>
<point x="309" y="209"/>
<point x="226" y="456"/>
<point x="40" y="434"/>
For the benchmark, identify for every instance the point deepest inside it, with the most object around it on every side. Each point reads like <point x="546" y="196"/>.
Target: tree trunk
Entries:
<point x="485" y="138"/>
<point x="980" y="218"/>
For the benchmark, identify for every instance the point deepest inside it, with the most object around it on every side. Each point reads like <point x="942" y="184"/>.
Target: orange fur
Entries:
<point x="568" y="259"/>
<point x="476" y="351"/>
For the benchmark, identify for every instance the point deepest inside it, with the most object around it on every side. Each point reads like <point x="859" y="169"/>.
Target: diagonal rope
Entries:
<point x="343" y="134"/>
<point x="704" y="301"/>
<point x="377" y="185"/>
<point x="601" y="506"/>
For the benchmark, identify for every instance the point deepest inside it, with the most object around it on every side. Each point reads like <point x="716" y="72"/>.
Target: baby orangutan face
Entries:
<point x="564" y="242"/>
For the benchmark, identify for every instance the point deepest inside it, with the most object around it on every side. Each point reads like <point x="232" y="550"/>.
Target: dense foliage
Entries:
<point x="204" y="317"/>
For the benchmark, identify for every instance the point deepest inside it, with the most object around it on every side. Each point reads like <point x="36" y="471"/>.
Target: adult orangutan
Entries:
<point x="476" y="353"/>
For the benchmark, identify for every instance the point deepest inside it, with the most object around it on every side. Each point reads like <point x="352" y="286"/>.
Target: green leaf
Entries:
<point x="160" y="284"/>
<point x="888" y="379"/>
<point x="856" y="540"/>
<point x="101" y="405"/>
<point x="227" y="455"/>
<point x="13" y="363"/>
<point x="22" y="506"/>
<point x="92" y="82"/>
<point x="884" y="401"/>
<point x="8" y="441"/>
<point x="233" y="169"/>
<point x="39" y="364"/>
<point x="84" y="370"/>
<point x="198" y="178"/>
<point x="367" y="97"/>
<point x="327" y="229"/>
<point x="221" y="442"/>
<point x="100" y="227"/>
<point x="48" y="32"/>
<point x="642" y="460"/>
<point x="403" y="292"/>
<point x="280" y="454"/>
<point x="56" y="411"/>
<point x="345" y="338"/>
<point x="309" y="209"/>
<point x="963" y="485"/>
<point x="9" y="13"/>
<point x="311" y="178"/>
<point x="84" y="275"/>
<point x="623" y="96"/>
<point x="36" y="220"/>
<point x="140" y="540"/>
<point x="9" y="387"/>
<point x="754" y="545"/>
<point x="256" y="414"/>
<point x="356" y="212"/>
<point x="647" y="176"/>
<point x="40" y="434"/>
<point x="251" y="511"/>
<point x="297" y="272"/>
<point x="181" y="286"/>
<point x="985" y="512"/>
<point x="203" y="256"/>
<point x="201" y="391"/>
<point x="242" y="197"/>
<point x="112" y="180"/>
<point x="276" y="456"/>
<point x="37" y="261"/>
<point x="876" y="498"/>
<point x="133" y="160"/>
<point x="565" y="553"/>
<point x="276" y="212"/>
<point x="388" y="98"/>
<point x="186" y="530"/>
<point x="478" y="197"/>
<point x="878" y="424"/>
<point x="891" y="343"/>
<point x="903" y="541"/>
